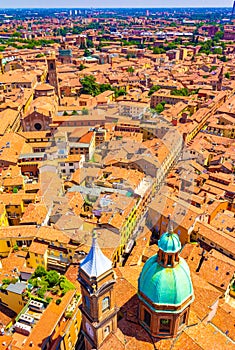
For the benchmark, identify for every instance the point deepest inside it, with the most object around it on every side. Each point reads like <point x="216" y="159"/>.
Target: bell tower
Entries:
<point x="99" y="312"/>
<point x="220" y="79"/>
<point x="1" y="64"/>
<point x="52" y="73"/>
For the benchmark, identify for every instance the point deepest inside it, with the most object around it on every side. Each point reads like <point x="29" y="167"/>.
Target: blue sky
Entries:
<point x="119" y="3"/>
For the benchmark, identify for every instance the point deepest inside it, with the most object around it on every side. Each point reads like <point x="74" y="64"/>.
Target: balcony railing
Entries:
<point x="58" y="259"/>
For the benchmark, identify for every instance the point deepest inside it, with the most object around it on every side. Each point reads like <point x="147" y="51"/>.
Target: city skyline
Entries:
<point x="121" y="4"/>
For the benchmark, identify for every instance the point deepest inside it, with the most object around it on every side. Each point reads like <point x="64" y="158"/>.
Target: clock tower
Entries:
<point x="99" y="312"/>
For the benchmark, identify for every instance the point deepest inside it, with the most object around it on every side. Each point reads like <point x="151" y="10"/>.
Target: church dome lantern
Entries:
<point x="165" y="289"/>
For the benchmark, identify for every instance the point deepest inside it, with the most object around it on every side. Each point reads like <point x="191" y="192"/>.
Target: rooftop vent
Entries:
<point x="22" y="328"/>
<point x="24" y="318"/>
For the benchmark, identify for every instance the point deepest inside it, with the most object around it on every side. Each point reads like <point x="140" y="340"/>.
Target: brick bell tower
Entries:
<point x="220" y="79"/>
<point x="52" y="73"/>
<point x="1" y="64"/>
<point x="99" y="312"/>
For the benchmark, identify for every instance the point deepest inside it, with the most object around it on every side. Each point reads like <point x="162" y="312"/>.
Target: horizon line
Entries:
<point x="98" y="8"/>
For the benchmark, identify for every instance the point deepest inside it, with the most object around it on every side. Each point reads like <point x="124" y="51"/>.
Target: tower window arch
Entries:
<point x="87" y="303"/>
<point x="105" y="304"/>
<point x="183" y="319"/>
<point x="51" y="65"/>
<point x="147" y="318"/>
<point x="165" y="325"/>
<point x="169" y="260"/>
<point x="106" y="331"/>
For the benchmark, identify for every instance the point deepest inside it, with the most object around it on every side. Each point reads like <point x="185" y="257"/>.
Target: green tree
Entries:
<point x="180" y="92"/>
<point x="85" y="111"/>
<point x="16" y="35"/>
<point x="130" y="70"/>
<point x="49" y="299"/>
<point x="90" y="43"/>
<point x="81" y="67"/>
<point x="159" y="108"/>
<point x="227" y="75"/>
<point x="105" y="87"/>
<point x="213" y="68"/>
<point x="15" y="248"/>
<point x="52" y="278"/>
<point x="119" y="92"/>
<point x="87" y="53"/>
<point x="40" y="55"/>
<point x="218" y="51"/>
<point x="218" y="35"/>
<point x="41" y="292"/>
<point x="153" y="89"/>
<point x="171" y="46"/>
<point x="89" y="86"/>
<point x="158" y="50"/>
<point x="65" y="285"/>
<point x="39" y="272"/>
<point x="223" y="58"/>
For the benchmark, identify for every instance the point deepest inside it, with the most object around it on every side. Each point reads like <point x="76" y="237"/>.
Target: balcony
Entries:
<point x="57" y="263"/>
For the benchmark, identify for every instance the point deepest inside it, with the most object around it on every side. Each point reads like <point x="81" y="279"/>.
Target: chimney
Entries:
<point x="205" y="198"/>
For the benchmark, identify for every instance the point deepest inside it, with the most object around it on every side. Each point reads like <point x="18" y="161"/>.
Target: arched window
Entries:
<point x="165" y="325"/>
<point x="87" y="303"/>
<point x="106" y="331"/>
<point x="51" y="66"/>
<point x="183" y="319"/>
<point x="169" y="260"/>
<point x="105" y="304"/>
<point x="147" y="318"/>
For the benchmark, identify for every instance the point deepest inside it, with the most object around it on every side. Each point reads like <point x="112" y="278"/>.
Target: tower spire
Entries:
<point x="96" y="263"/>
<point x="233" y="11"/>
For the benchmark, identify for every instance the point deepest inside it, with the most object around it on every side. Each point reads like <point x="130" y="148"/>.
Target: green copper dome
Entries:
<point x="169" y="243"/>
<point x="165" y="285"/>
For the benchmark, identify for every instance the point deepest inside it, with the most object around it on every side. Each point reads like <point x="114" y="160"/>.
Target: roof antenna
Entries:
<point x="170" y="225"/>
<point x="94" y="238"/>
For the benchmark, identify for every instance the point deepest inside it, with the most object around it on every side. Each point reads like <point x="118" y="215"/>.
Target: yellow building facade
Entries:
<point x="12" y="296"/>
